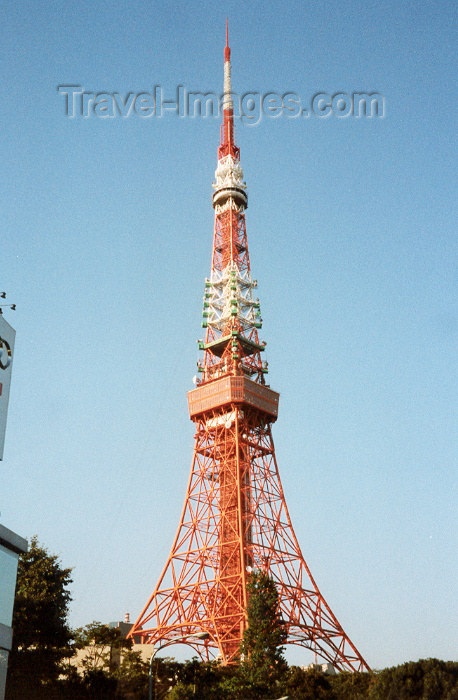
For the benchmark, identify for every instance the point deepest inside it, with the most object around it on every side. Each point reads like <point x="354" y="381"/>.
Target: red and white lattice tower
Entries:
<point x="235" y="518"/>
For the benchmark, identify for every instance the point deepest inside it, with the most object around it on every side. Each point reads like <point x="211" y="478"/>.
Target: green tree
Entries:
<point x="427" y="679"/>
<point x="203" y="678"/>
<point x="235" y="687"/>
<point x="308" y="684"/>
<point x="263" y="663"/>
<point x="110" y="667"/>
<point x="132" y="676"/>
<point x="98" y="685"/>
<point x="352" y="686"/>
<point x="182" y="691"/>
<point x="166" y="672"/>
<point x="42" y="638"/>
<point x="101" y="647"/>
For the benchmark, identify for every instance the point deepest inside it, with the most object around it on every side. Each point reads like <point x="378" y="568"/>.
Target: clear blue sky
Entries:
<point x="106" y="240"/>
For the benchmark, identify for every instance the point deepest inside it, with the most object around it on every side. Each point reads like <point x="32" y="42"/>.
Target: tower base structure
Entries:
<point x="235" y="520"/>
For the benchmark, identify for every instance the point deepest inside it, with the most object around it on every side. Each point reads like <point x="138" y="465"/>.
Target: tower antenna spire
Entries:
<point x="227" y="143"/>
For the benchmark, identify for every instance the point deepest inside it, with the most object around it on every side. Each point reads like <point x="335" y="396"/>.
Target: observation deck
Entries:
<point x="233" y="390"/>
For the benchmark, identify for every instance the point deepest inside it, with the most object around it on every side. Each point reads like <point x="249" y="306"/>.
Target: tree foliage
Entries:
<point x="263" y="662"/>
<point x="308" y="684"/>
<point x="101" y="647"/>
<point x="427" y="679"/>
<point x="132" y="676"/>
<point x="110" y="667"/>
<point x="203" y="678"/>
<point x="351" y="686"/>
<point x="42" y="638"/>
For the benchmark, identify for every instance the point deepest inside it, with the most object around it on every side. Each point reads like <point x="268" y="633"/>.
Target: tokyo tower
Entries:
<point x="235" y="519"/>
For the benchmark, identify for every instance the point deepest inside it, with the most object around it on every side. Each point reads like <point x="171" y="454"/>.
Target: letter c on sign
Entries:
<point x="5" y="354"/>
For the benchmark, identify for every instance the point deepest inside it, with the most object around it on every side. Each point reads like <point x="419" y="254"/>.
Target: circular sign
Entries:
<point x="5" y="354"/>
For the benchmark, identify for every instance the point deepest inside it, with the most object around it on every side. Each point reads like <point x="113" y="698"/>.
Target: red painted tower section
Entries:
<point x="235" y="518"/>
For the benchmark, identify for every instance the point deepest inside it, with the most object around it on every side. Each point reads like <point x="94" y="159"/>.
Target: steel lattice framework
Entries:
<point x="235" y="517"/>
